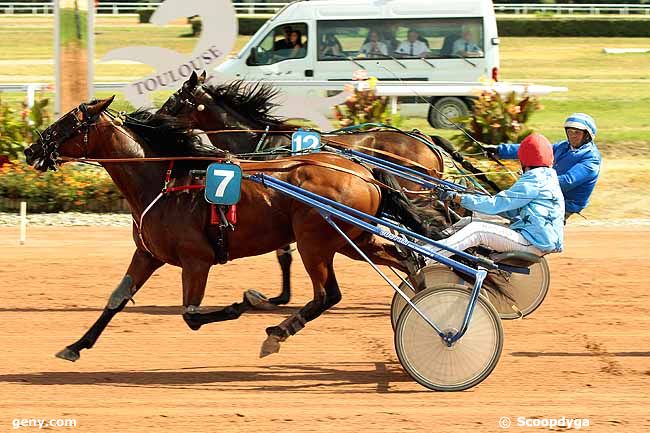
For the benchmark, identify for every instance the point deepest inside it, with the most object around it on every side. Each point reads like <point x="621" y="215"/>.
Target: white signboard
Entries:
<point x="219" y="33"/>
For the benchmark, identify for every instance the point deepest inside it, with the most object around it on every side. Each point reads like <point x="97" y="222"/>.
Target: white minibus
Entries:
<point x="393" y="40"/>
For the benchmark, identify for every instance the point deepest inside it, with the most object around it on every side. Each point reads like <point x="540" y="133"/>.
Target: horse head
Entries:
<point x="235" y="106"/>
<point x="71" y="136"/>
<point x="190" y="102"/>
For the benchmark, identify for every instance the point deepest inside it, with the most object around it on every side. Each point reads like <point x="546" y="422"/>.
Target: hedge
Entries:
<point x="145" y="15"/>
<point x="550" y="27"/>
<point x="535" y="26"/>
<point x="248" y="26"/>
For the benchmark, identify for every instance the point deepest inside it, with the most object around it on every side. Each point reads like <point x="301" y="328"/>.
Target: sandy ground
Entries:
<point x="584" y="354"/>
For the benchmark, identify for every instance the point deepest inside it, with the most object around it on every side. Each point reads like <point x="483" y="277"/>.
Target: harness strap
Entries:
<point x="139" y="225"/>
<point x="388" y="154"/>
<point x="253" y="166"/>
<point x="262" y="142"/>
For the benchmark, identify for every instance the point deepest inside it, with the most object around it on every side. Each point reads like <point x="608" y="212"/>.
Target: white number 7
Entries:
<point x="227" y="177"/>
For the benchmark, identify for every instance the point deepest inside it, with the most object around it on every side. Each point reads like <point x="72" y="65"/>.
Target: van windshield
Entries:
<point x="401" y="38"/>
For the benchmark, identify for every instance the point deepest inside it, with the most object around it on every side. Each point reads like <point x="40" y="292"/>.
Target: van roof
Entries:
<point x="368" y="9"/>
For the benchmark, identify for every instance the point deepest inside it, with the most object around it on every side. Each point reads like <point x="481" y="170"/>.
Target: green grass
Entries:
<point x="614" y="88"/>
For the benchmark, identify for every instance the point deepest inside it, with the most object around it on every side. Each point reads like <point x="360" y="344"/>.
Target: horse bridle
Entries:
<point x="62" y="130"/>
<point x="185" y="97"/>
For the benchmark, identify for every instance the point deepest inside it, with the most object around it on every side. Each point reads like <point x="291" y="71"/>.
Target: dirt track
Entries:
<point x="584" y="354"/>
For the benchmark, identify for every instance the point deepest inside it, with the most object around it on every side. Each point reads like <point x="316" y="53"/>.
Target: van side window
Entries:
<point x="400" y="38"/>
<point x="284" y="42"/>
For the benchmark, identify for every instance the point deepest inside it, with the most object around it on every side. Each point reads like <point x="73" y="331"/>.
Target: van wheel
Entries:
<point x="451" y="107"/>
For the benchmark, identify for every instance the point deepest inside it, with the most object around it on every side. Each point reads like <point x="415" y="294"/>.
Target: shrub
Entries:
<point x="364" y="106"/>
<point x="72" y="187"/>
<point x="144" y="15"/>
<point x="17" y="128"/>
<point x="248" y="26"/>
<point x="497" y="119"/>
<point x="578" y="27"/>
<point x="196" y="24"/>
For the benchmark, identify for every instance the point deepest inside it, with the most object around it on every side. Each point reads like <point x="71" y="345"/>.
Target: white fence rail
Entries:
<point x="261" y="8"/>
<point x="131" y="8"/>
<point x="595" y="9"/>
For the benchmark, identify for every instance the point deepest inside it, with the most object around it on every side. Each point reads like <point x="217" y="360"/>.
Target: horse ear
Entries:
<point x="101" y="105"/>
<point x="203" y="76"/>
<point x="192" y="81"/>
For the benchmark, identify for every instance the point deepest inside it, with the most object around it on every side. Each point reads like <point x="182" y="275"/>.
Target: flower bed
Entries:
<point x="72" y="188"/>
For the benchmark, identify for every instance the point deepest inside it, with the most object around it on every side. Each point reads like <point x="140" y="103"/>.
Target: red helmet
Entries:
<point x="536" y="151"/>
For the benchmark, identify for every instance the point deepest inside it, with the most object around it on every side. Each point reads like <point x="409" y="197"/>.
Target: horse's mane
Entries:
<point x="253" y="101"/>
<point x="168" y="136"/>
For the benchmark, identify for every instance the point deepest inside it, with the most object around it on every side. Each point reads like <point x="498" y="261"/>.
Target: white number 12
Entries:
<point x="309" y="142"/>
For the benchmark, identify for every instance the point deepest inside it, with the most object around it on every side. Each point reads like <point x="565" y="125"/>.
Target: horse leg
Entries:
<point x="285" y="259"/>
<point x="141" y="267"/>
<point x="258" y="300"/>
<point x="195" y="277"/>
<point x="326" y="295"/>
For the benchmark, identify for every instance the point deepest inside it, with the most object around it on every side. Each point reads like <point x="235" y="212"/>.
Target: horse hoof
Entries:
<point x="257" y="300"/>
<point x="68" y="354"/>
<point x="270" y="346"/>
<point x="193" y="322"/>
<point x="279" y="300"/>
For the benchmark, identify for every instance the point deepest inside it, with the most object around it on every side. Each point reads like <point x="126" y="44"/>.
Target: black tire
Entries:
<point x="451" y="107"/>
<point x="424" y="355"/>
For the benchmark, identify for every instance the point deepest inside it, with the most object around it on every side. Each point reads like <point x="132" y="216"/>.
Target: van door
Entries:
<point x="282" y="54"/>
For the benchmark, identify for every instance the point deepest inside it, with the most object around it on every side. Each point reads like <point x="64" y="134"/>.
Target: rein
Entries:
<point x="326" y="140"/>
<point x="276" y="165"/>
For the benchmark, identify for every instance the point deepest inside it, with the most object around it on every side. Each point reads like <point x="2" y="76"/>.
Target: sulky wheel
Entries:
<point x="521" y="294"/>
<point x="429" y="276"/>
<point x="429" y="360"/>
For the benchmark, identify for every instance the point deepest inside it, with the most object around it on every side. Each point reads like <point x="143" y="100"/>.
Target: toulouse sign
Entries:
<point x="218" y="37"/>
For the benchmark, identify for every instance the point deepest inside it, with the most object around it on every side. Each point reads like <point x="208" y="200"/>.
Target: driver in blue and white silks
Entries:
<point x="534" y="205"/>
<point x="577" y="161"/>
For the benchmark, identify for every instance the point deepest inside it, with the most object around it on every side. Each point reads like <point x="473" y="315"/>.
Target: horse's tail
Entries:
<point x="425" y="220"/>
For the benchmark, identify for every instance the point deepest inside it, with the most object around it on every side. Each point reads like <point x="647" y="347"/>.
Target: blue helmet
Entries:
<point x="583" y="122"/>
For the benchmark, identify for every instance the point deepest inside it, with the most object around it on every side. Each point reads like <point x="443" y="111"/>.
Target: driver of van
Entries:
<point x="285" y="43"/>
<point x="413" y="46"/>
<point x="464" y="47"/>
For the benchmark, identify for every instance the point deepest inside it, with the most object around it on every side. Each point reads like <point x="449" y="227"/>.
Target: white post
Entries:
<point x="57" y="61"/>
<point x="23" y="222"/>
<point x="393" y="104"/>
<point x="31" y="92"/>
<point x="91" y="49"/>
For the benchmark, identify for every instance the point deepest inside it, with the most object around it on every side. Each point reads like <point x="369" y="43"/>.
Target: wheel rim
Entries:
<point x="428" y="360"/>
<point x="398" y="304"/>
<point x="437" y="274"/>
<point x="527" y="291"/>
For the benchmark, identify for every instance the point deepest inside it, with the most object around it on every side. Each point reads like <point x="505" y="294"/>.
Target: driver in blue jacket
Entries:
<point x="534" y="206"/>
<point x="576" y="161"/>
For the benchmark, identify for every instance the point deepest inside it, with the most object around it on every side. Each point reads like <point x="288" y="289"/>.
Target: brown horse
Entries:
<point x="245" y="111"/>
<point x="174" y="230"/>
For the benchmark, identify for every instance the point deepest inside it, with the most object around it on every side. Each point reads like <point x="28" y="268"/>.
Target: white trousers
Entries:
<point x="493" y="236"/>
